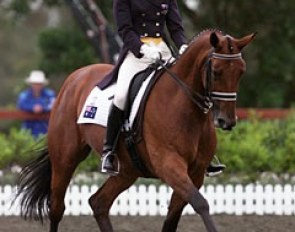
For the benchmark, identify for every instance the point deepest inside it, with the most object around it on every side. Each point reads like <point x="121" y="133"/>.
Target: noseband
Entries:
<point x="214" y="95"/>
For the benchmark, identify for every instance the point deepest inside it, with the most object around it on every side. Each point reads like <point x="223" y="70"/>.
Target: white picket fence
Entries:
<point x="154" y="200"/>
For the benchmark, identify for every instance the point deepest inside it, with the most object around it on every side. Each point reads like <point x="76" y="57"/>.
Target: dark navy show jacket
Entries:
<point x="144" y="18"/>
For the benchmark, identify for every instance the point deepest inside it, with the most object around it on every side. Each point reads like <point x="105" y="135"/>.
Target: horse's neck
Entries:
<point x="189" y="68"/>
<point x="190" y="65"/>
<point x="172" y="98"/>
<point x="176" y="105"/>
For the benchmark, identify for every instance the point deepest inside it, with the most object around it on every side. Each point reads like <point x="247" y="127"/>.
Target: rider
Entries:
<point x="140" y="25"/>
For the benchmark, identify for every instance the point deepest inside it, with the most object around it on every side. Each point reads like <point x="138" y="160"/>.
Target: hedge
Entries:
<point x="251" y="148"/>
<point x="254" y="147"/>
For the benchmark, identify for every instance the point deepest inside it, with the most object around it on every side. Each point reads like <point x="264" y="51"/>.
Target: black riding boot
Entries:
<point x="215" y="169"/>
<point x="114" y="124"/>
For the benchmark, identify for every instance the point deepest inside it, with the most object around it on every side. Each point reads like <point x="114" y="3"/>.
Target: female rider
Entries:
<point x="140" y="24"/>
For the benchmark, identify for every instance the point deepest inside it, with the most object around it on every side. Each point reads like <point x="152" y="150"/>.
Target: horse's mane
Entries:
<point x="205" y="31"/>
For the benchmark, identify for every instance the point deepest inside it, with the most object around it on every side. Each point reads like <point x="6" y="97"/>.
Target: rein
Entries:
<point x="204" y="102"/>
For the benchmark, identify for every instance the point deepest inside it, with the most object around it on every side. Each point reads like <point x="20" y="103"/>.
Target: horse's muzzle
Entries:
<point x="224" y="123"/>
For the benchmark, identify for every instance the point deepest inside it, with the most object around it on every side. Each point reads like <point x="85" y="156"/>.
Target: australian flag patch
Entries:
<point x="90" y="112"/>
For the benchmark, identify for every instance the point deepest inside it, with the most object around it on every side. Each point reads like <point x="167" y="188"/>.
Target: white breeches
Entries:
<point x="130" y="66"/>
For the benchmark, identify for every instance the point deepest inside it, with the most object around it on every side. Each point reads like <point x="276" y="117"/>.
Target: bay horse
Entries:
<point x="179" y="137"/>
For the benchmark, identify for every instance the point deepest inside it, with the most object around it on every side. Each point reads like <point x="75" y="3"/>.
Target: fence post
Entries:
<point x="289" y="201"/>
<point x="269" y="197"/>
<point x="239" y="199"/>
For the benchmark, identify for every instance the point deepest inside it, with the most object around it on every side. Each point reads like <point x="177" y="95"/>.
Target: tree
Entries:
<point x="96" y="27"/>
<point x="270" y="58"/>
<point x="64" y="50"/>
<point x="269" y="80"/>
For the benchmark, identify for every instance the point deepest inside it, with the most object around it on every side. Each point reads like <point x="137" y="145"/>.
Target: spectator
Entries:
<point x="36" y="99"/>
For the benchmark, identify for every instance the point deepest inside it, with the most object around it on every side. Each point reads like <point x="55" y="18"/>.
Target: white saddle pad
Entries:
<point x="96" y="107"/>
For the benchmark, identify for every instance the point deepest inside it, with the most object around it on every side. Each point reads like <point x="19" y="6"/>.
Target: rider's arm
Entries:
<point x="131" y="40"/>
<point x="174" y="25"/>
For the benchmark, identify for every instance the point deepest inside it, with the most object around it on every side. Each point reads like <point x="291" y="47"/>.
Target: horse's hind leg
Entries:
<point x="64" y="161"/>
<point x="175" y="175"/>
<point x="103" y="199"/>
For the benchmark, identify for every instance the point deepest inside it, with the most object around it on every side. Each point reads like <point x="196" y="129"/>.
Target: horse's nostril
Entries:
<point x="221" y="122"/>
<point x="225" y="125"/>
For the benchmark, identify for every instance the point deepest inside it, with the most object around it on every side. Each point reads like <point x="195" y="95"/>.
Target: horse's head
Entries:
<point x="223" y="69"/>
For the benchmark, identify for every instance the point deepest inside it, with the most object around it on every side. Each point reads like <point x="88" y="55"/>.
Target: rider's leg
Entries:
<point x="130" y="66"/>
<point x="114" y="124"/>
<point x="128" y="69"/>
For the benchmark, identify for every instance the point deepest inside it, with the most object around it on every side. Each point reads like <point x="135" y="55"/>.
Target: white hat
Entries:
<point x="37" y="77"/>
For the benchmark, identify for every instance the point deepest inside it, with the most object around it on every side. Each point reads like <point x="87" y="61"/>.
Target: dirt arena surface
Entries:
<point x="224" y="223"/>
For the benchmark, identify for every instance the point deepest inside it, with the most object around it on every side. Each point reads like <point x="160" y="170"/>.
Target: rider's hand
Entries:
<point x="150" y="52"/>
<point x="182" y="49"/>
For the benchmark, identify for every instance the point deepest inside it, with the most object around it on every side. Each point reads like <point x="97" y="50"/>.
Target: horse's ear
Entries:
<point x="214" y="40"/>
<point x="241" y="43"/>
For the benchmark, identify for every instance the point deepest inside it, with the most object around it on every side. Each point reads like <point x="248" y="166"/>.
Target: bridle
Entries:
<point x="205" y="102"/>
<point x="215" y="95"/>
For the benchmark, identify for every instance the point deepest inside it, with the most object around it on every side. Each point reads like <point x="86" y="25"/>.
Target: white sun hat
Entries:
<point x="37" y="77"/>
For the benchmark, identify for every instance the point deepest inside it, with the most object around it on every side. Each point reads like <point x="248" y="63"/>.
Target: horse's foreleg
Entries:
<point x="201" y="206"/>
<point x="174" y="213"/>
<point x="103" y="199"/>
<point x="177" y="204"/>
<point x="198" y="179"/>
<point x="175" y="175"/>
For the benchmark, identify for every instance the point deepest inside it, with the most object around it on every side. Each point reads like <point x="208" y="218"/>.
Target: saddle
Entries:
<point x="133" y="135"/>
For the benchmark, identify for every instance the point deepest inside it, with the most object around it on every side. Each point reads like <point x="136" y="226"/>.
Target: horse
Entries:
<point x="191" y="98"/>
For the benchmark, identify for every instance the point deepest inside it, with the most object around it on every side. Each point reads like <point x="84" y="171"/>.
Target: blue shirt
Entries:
<point x="26" y="102"/>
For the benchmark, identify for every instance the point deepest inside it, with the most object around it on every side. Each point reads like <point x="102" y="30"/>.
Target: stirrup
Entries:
<point x="216" y="169"/>
<point x="114" y="171"/>
<point x="212" y="174"/>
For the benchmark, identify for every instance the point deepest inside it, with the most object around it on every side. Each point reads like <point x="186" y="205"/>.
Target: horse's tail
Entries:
<point x="34" y="187"/>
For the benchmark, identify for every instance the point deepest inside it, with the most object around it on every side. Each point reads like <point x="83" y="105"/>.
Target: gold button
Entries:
<point x="143" y="14"/>
<point x="158" y="13"/>
<point x="157" y="24"/>
<point x="158" y="34"/>
<point x="143" y="24"/>
<point x="146" y="34"/>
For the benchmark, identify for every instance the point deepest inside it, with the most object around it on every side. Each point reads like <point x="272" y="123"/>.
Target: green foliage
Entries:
<point x="90" y="164"/>
<point x="256" y="146"/>
<point x="281" y="146"/>
<point x="5" y="154"/>
<point x="20" y="7"/>
<point x="18" y="147"/>
<point x="53" y="2"/>
<point x="270" y="57"/>
<point x="15" y="147"/>
<point x="64" y="50"/>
